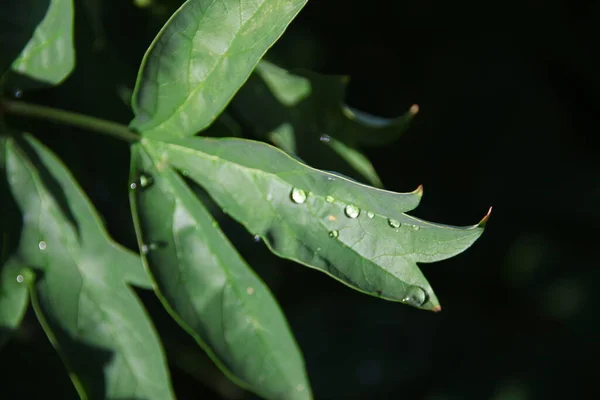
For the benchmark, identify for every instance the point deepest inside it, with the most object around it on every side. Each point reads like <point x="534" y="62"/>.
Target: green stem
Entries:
<point x="69" y="118"/>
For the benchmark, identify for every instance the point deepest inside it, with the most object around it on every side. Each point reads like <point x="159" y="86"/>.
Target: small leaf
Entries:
<point x="50" y="56"/>
<point x="200" y="58"/>
<point x="208" y="287"/>
<point x="13" y="297"/>
<point x="355" y="233"/>
<point x="80" y="293"/>
<point x="311" y="107"/>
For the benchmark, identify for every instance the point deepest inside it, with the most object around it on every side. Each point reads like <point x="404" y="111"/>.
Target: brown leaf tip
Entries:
<point x="485" y="219"/>
<point x="414" y="109"/>
<point x="419" y="191"/>
<point x="437" y="308"/>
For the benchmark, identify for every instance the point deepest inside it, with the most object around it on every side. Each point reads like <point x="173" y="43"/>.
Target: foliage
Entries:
<point x="80" y="281"/>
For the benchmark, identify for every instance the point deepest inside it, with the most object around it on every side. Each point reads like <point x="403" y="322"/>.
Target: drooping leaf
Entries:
<point x="49" y="56"/>
<point x="311" y="107"/>
<point x="209" y="288"/>
<point x="200" y="58"/>
<point x="81" y="294"/>
<point x="13" y="297"/>
<point x="357" y="234"/>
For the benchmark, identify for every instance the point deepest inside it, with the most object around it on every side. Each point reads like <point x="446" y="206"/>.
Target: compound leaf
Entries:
<point x="357" y="234"/>
<point x="79" y="286"/>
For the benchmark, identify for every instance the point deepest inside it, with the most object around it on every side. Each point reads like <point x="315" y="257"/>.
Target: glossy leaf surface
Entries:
<point x="357" y="234"/>
<point x="209" y="288"/>
<point x="80" y="293"/>
<point x="200" y="58"/>
<point x="49" y="56"/>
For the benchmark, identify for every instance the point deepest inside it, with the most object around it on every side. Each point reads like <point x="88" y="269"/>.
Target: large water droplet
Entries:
<point x="415" y="296"/>
<point x="325" y="138"/>
<point x="334" y="234"/>
<point x="20" y="278"/>
<point x="370" y="214"/>
<point x="42" y="245"/>
<point x="256" y="238"/>
<point x="394" y="223"/>
<point x="352" y="211"/>
<point x="329" y="199"/>
<point x="298" y="195"/>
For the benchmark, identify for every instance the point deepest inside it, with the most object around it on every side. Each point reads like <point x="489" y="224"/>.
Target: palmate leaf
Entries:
<point x="208" y="287"/>
<point x="200" y="58"/>
<point x="49" y="56"/>
<point x="357" y="234"/>
<point x="79" y="286"/>
<point x="309" y="108"/>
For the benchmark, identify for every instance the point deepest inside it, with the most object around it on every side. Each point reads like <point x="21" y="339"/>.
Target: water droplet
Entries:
<point x="133" y="186"/>
<point x="146" y="248"/>
<point x="330" y="178"/>
<point x="394" y="223"/>
<point x="415" y="296"/>
<point x="298" y="195"/>
<point x="325" y="138"/>
<point x="370" y="214"/>
<point x="329" y="199"/>
<point x="352" y="211"/>
<point x="256" y="238"/>
<point x="42" y="245"/>
<point x="146" y="180"/>
<point x="250" y="291"/>
<point x="334" y="234"/>
<point x="20" y="278"/>
<point x="416" y="227"/>
<point x="18" y="93"/>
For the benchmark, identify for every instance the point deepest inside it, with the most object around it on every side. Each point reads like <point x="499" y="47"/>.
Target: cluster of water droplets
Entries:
<point x="142" y="182"/>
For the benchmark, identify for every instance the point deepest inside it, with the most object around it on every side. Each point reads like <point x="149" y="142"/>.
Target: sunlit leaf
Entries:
<point x="209" y="288"/>
<point x="80" y="289"/>
<point x="357" y="234"/>
<point x="200" y="58"/>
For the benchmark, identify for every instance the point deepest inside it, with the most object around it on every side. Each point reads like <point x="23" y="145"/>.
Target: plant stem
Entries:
<point x="69" y="118"/>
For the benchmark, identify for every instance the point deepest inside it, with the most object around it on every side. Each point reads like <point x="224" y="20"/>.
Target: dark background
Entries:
<point x="508" y="93"/>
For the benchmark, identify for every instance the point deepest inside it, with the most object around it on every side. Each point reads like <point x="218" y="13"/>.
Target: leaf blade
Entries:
<point x="210" y="290"/>
<point x="13" y="298"/>
<point x="226" y="39"/>
<point x="376" y="253"/>
<point x="91" y="316"/>
<point x="49" y="56"/>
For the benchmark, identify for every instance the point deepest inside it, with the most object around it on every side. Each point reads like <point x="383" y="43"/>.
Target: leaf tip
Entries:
<point x="414" y="109"/>
<point x="485" y="219"/>
<point x="418" y="191"/>
<point x="436" y="309"/>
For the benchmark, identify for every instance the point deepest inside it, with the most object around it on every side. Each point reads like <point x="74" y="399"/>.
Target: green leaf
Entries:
<point x="49" y="56"/>
<point x="80" y="292"/>
<point x="355" y="233"/>
<point x="13" y="297"/>
<point x="208" y="287"/>
<point x="309" y="108"/>
<point x="200" y="58"/>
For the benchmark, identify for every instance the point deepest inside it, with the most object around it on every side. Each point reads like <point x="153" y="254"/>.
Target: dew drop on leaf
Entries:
<point x="352" y="211"/>
<point x="20" y="278"/>
<point x="256" y="238"/>
<point x="146" y="180"/>
<point x="329" y="199"/>
<point x="370" y="214"/>
<point x="325" y="138"/>
<point x="415" y="296"/>
<point x="298" y="195"/>
<point x="18" y="93"/>
<point x="394" y="223"/>
<point x="148" y="247"/>
<point x="42" y="245"/>
<point x="334" y="234"/>
<point x="416" y="227"/>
